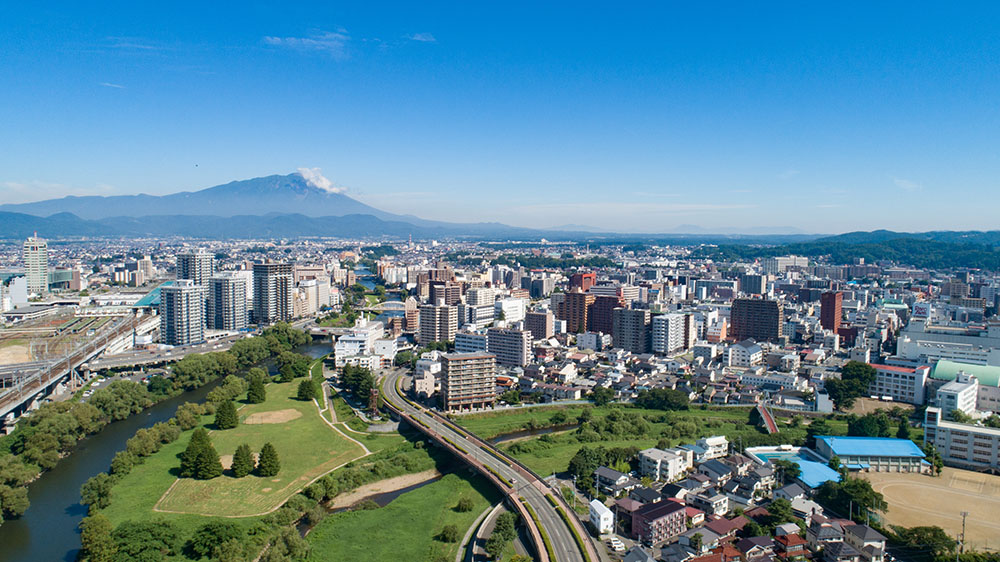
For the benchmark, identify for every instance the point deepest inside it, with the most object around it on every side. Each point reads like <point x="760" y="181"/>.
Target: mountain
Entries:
<point x="987" y="238"/>
<point x="289" y="194"/>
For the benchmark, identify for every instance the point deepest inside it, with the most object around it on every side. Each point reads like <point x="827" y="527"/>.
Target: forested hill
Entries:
<point x="908" y="251"/>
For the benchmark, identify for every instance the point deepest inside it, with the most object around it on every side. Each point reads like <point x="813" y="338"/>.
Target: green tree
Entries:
<point x="816" y="428"/>
<point x="788" y="469"/>
<point x="257" y="393"/>
<point x="242" y="461"/>
<point x="695" y="541"/>
<point x="601" y="396"/>
<point x="494" y="546"/>
<point x="209" y="535"/>
<point x="464" y="504"/>
<point x="448" y="534"/>
<point x="662" y="399"/>
<point x="511" y="396"/>
<point x="96" y="491"/>
<point x="928" y="537"/>
<point x="207" y="463"/>
<point x="268" y="463"/>
<point x="834" y="462"/>
<point x="226" y="416"/>
<point x="189" y="458"/>
<point x="146" y="540"/>
<point x="95" y="538"/>
<point x="306" y="390"/>
<point x="903" y="432"/>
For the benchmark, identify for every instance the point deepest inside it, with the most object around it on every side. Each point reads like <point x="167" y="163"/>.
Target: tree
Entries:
<point x="448" y="534"/>
<point x="226" y="416"/>
<point x="789" y="470"/>
<point x="779" y="511"/>
<point x="695" y="541"/>
<point x="494" y="546"/>
<point x="207" y="463"/>
<point x="511" y="397"/>
<point x="834" y="462"/>
<point x="931" y="537"/>
<point x="146" y="540"/>
<point x="875" y="424"/>
<point x="601" y="396"/>
<point x="257" y="393"/>
<point x="208" y="536"/>
<point x="662" y="399"/>
<point x="95" y="538"/>
<point x="96" y="491"/>
<point x="268" y="463"/>
<point x="855" y="379"/>
<point x="465" y="504"/>
<point x="903" y="432"/>
<point x="242" y="461"/>
<point x="189" y="458"/>
<point x="307" y="390"/>
<point x="818" y="427"/>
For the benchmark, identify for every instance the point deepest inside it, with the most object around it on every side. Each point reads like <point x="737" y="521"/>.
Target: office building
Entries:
<point x="468" y="381"/>
<point x="182" y="313"/>
<point x="969" y="446"/>
<point x="197" y="266"/>
<point x="227" y="302"/>
<point x="540" y="324"/>
<point x="831" y="310"/>
<point x="753" y="284"/>
<point x="575" y="310"/>
<point x="757" y="319"/>
<point x="448" y="293"/>
<point x="510" y="310"/>
<point x="36" y="265"/>
<point x="900" y="384"/>
<point x="438" y="323"/>
<point x="631" y="330"/>
<point x="782" y="264"/>
<point x="582" y="281"/>
<point x="272" y="292"/>
<point x="470" y="342"/>
<point x="512" y="348"/>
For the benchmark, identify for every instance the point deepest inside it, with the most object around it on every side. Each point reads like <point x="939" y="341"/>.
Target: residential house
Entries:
<point x="869" y="542"/>
<point x="841" y="552"/>
<point x="601" y="517"/>
<point x="790" y="492"/>
<point x="614" y="483"/>
<point x="657" y="522"/>
<point x="712" y="503"/>
<point x="755" y="547"/>
<point x="637" y="554"/>
<point x="718" y="471"/>
<point x="790" y="546"/>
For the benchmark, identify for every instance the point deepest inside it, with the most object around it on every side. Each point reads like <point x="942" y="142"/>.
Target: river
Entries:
<point x="48" y="530"/>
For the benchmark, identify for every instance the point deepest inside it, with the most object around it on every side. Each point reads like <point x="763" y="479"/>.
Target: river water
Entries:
<point x="48" y="530"/>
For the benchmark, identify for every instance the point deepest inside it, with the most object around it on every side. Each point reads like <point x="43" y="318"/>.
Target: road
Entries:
<point x="526" y="485"/>
<point x="148" y="357"/>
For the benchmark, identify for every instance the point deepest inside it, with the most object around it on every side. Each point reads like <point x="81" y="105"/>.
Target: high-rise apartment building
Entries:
<point x="600" y="317"/>
<point x="540" y="324"/>
<point x="757" y="319"/>
<point x="631" y="329"/>
<point x="511" y="347"/>
<point x="751" y="284"/>
<point x="468" y="381"/>
<point x="575" y="309"/>
<point x="182" y="313"/>
<point x="227" y="302"/>
<point x="449" y="293"/>
<point x="272" y="292"/>
<point x="670" y="333"/>
<point x="36" y="265"/>
<point x="438" y="323"/>
<point x="481" y="296"/>
<point x="197" y="266"/>
<point x="830" y="311"/>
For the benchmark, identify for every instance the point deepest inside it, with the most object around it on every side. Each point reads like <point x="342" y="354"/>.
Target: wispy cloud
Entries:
<point x="133" y="44"/>
<point x="787" y="174"/>
<point x="654" y="194"/>
<point x="906" y="184"/>
<point x="112" y="85"/>
<point x="333" y="43"/>
<point x="423" y="37"/>
<point x="315" y="178"/>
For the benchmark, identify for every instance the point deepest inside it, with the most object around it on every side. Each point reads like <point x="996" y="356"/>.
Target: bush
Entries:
<point x="448" y="534"/>
<point x="464" y="505"/>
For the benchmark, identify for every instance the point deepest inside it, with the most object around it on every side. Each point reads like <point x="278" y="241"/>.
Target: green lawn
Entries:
<point x="306" y="445"/>
<point x="404" y="529"/>
<point x="556" y="458"/>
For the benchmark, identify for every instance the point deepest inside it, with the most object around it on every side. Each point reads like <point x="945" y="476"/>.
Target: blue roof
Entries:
<point x="871" y="447"/>
<point x="152" y="299"/>
<point x="815" y="473"/>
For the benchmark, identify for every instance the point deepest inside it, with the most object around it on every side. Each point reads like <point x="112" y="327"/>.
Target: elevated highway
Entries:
<point x="554" y="529"/>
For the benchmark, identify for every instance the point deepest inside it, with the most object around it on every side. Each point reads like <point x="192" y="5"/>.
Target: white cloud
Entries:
<point x="423" y="38"/>
<point x="112" y="85"/>
<point x="36" y="190"/>
<point x="908" y="185"/>
<point x="333" y="43"/>
<point x="315" y="178"/>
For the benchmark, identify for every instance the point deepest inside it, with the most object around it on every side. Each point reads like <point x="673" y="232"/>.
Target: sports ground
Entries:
<point x="918" y="499"/>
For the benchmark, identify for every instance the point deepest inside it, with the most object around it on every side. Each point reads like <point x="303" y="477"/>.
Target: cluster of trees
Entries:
<point x="201" y="461"/>
<point x="535" y="262"/>
<point x="616" y="424"/>
<point x="588" y="459"/>
<point x="779" y="512"/>
<point x="854" y="496"/>
<point x="855" y="379"/>
<point x="358" y="380"/>
<point x="877" y="424"/>
<point x="662" y="399"/>
<point x="293" y="366"/>
<point x="601" y="396"/>
<point x="504" y="532"/>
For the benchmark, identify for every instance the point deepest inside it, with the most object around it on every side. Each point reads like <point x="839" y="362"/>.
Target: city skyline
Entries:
<point x="650" y="116"/>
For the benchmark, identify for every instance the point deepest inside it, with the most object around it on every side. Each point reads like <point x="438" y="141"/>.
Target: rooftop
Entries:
<point x="871" y="447"/>
<point x="948" y="371"/>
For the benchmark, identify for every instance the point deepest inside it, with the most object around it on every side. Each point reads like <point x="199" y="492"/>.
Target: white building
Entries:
<point x="228" y="308"/>
<point x="744" y="354"/>
<point x="960" y="394"/>
<point x="601" y="517"/>
<point x="667" y="465"/>
<point x="715" y="447"/>
<point x="594" y="340"/>
<point x="468" y="342"/>
<point x="359" y="342"/>
<point x="182" y="313"/>
<point x="511" y="347"/>
<point x="511" y="310"/>
<point x="924" y="342"/>
<point x="965" y="445"/>
<point x="36" y="265"/>
<point x="669" y="333"/>
<point x="900" y="383"/>
<point x="783" y="380"/>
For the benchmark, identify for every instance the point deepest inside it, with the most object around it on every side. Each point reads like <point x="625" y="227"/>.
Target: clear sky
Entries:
<point x="825" y="117"/>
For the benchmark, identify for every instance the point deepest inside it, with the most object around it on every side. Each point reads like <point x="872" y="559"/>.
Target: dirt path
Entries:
<point x="382" y="486"/>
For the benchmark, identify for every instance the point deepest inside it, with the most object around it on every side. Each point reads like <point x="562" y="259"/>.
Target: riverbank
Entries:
<point x="381" y="487"/>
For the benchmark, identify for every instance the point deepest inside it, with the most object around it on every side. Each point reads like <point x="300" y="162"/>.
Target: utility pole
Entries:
<point x="961" y="545"/>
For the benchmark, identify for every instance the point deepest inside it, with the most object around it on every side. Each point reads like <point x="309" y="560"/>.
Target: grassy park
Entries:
<point x="406" y="528"/>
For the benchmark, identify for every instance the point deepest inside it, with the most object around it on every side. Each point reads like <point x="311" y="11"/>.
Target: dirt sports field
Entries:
<point x="918" y="499"/>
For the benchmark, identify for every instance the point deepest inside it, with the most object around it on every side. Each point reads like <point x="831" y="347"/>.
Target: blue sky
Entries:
<point x="825" y="117"/>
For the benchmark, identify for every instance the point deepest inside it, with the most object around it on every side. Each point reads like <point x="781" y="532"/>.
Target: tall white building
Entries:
<point x="197" y="266"/>
<point x="669" y="333"/>
<point x="438" y="323"/>
<point x="182" y="313"/>
<point x="511" y="310"/>
<point x="511" y="347"/>
<point x="227" y="301"/>
<point x="481" y="296"/>
<point x="272" y="292"/>
<point x="36" y="265"/>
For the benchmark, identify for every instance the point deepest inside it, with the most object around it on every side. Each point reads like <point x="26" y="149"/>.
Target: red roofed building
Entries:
<point x="660" y="521"/>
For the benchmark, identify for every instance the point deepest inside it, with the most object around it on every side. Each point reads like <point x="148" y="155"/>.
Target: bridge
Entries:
<point x="556" y="532"/>
<point x="21" y="384"/>
<point x="387" y="306"/>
